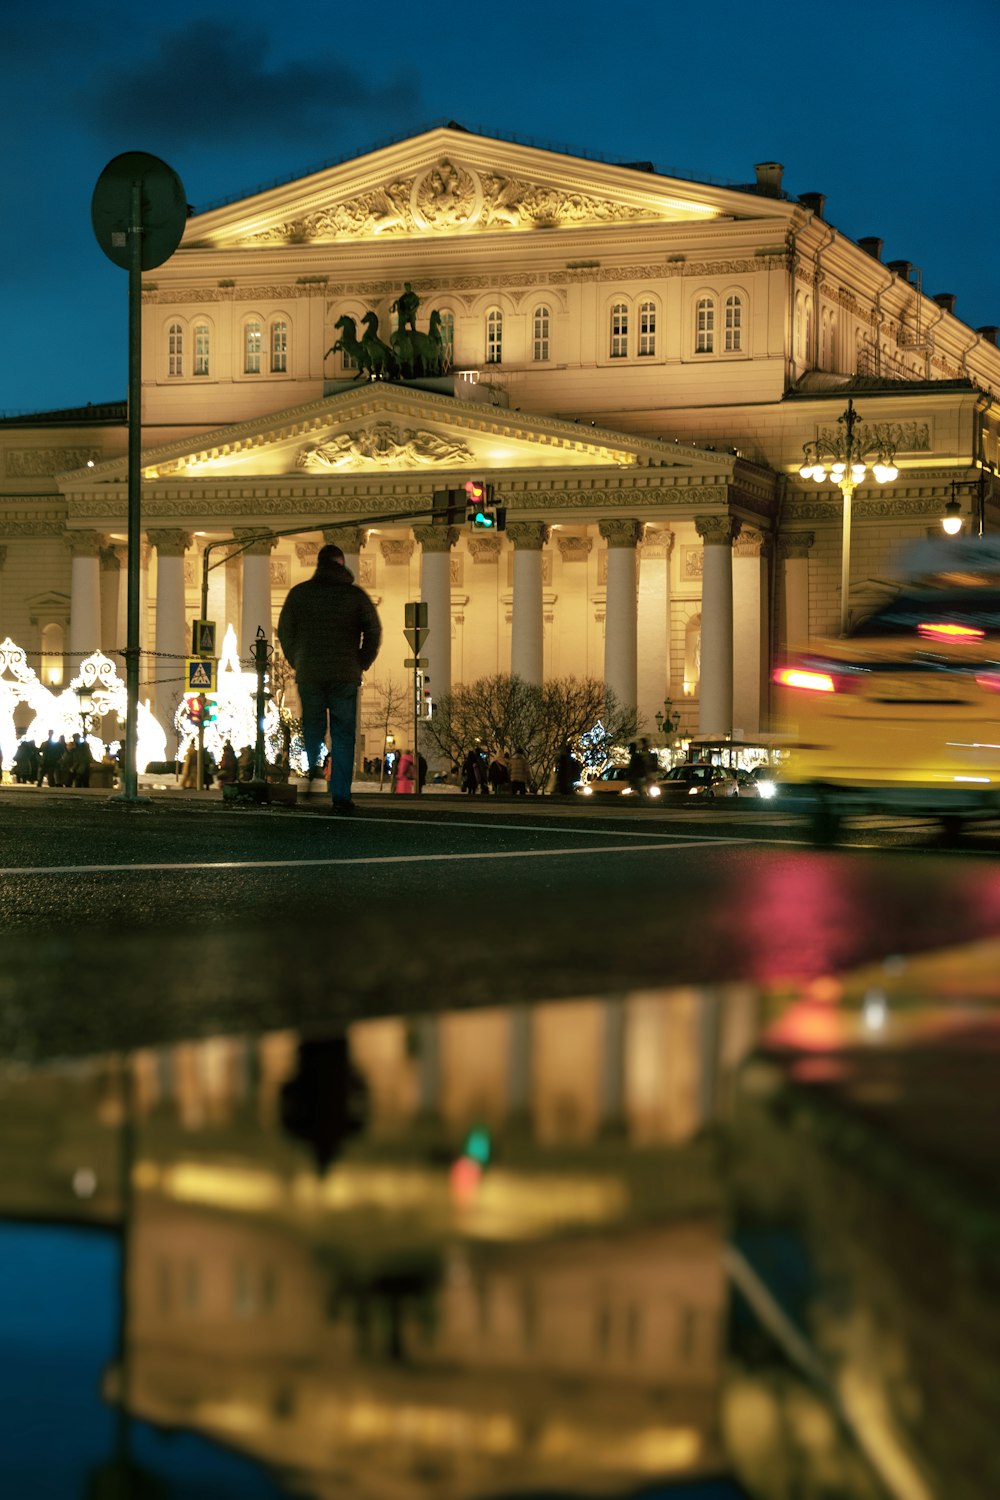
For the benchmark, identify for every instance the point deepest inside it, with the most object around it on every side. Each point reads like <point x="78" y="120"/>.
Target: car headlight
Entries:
<point x="654" y="791"/>
<point x="694" y="791"/>
<point x="585" y="791"/>
<point x="766" y="789"/>
<point x="626" y="791"/>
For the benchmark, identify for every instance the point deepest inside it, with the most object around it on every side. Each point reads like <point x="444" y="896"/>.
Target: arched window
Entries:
<point x="175" y="349"/>
<point x="647" y="328"/>
<point x="52" y="655"/>
<point x="619" y="331"/>
<point x="252" y="341"/>
<point x="279" y="347"/>
<point x="807" y="330"/>
<point x="494" y="336"/>
<point x="201" y="349"/>
<point x="704" y="336"/>
<point x="828" y="340"/>
<point x="447" y="326"/>
<point x="540" y="333"/>
<point x="734" y="324"/>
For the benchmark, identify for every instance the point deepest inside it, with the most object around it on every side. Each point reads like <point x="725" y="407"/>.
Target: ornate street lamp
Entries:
<point x="980" y="491"/>
<point x="845" y="458"/>
<point x="951" y="521"/>
<point x="668" y="718"/>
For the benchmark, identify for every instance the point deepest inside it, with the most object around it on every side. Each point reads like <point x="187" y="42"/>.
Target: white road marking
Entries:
<point x="370" y="859"/>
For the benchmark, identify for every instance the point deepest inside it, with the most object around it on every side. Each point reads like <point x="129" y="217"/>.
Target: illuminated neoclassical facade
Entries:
<point x="634" y="361"/>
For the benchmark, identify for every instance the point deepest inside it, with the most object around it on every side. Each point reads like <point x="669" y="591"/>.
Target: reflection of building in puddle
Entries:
<point x="375" y="1332"/>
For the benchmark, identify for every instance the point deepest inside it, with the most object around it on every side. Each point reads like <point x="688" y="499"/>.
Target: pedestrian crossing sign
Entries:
<point x="202" y="637"/>
<point x="200" y="676"/>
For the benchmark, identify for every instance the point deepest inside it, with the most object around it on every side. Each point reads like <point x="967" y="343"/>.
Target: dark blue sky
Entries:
<point x="886" y="107"/>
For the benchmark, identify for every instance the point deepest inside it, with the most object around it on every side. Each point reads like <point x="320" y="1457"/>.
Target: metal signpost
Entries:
<point x="139" y="210"/>
<point x="415" y="630"/>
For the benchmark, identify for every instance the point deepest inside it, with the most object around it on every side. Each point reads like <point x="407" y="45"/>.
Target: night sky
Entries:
<point x="885" y="107"/>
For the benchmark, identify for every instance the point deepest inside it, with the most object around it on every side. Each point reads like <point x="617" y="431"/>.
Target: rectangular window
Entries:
<point x="540" y="334"/>
<point x="175" y="350"/>
<point x="734" y="325"/>
<point x="619" y="331"/>
<point x="201" y="350"/>
<point x="647" y="328"/>
<point x="705" y="327"/>
<point x="279" y="348"/>
<point x="494" y="338"/>
<point x="251" y="349"/>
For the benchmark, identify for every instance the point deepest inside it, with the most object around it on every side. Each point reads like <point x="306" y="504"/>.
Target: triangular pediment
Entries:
<point x="378" y="430"/>
<point x="451" y="182"/>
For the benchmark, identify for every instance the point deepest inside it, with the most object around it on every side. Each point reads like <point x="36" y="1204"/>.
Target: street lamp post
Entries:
<point x="845" y="458"/>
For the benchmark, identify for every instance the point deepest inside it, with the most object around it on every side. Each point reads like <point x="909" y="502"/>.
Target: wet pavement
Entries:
<point x="380" y="1211"/>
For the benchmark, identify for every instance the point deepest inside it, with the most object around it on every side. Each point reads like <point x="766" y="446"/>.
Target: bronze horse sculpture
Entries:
<point x="413" y="355"/>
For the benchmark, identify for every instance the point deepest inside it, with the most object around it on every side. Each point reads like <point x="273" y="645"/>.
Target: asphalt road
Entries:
<point x="119" y="926"/>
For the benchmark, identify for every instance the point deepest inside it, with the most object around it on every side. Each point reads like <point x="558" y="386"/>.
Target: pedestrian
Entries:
<point x="50" y="760"/>
<point x="638" y="771"/>
<point x="471" y="772"/>
<point x="245" y="763"/>
<point x="228" y="764"/>
<point x="519" y="773"/>
<point x="77" y="762"/>
<point x="330" y="632"/>
<point x="25" y="762"/>
<point x="568" y="771"/>
<point x="189" y="774"/>
<point x="498" y="774"/>
<point x="404" y="776"/>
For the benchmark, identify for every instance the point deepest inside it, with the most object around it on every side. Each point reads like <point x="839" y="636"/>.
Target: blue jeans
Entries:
<point x="340" y="701"/>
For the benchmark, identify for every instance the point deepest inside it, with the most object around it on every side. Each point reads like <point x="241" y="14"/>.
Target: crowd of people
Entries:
<point x="57" y="761"/>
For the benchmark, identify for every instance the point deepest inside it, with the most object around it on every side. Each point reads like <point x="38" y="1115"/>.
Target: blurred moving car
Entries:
<point x="903" y="714"/>
<point x="705" y="782"/>
<point x="613" y="782"/>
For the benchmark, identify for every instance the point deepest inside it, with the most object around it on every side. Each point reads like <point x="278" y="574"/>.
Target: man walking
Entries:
<point x="330" y="632"/>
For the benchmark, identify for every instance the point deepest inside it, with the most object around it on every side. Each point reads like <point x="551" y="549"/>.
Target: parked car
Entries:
<point x="702" y="782"/>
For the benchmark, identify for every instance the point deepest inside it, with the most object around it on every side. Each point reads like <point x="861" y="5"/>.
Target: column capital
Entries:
<point x="574" y="548"/>
<point x="620" y="531"/>
<point x="717" y="531"/>
<point x="263" y="546"/>
<point x="796" y="544"/>
<point x="112" y="559"/>
<point x="658" y="542"/>
<point x="348" y="539"/>
<point x="528" y="536"/>
<point x="397" y="549"/>
<point x="753" y="543"/>
<point x="85" y="543"/>
<point x="484" y="549"/>
<point x="436" y="538"/>
<point x="170" y="542"/>
<point x="307" y="552"/>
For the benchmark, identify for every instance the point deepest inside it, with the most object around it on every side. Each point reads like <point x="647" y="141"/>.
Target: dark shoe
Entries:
<point x="343" y="807"/>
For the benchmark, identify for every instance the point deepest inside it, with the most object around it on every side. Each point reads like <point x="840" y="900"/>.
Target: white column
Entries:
<point x="526" y="633"/>
<point x="112" y="578"/>
<point x="716" y="685"/>
<point x="794" y="553"/>
<point x="612" y="1077"/>
<point x="172" y="642"/>
<point x="653" y="682"/>
<point x="436" y="543"/>
<point x="621" y="610"/>
<point x="255" y="613"/>
<point x="751" y="630"/>
<point x="121" y="612"/>
<point x="85" y="597"/>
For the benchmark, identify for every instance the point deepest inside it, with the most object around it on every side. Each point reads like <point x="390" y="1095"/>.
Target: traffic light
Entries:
<point x="479" y="505"/>
<point x="466" y="1171"/>
<point x="210" y="711"/>
<point x="448" y="507"/>
<point x="194" y="704"/>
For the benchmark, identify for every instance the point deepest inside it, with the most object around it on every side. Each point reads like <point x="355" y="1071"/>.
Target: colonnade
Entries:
<point x="736" y="619"/>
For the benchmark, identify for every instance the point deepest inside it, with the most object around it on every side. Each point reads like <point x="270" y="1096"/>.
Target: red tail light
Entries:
<point x="801" y="677"/>
<point x="943" y="630"/>
<point x="989" y="680"/>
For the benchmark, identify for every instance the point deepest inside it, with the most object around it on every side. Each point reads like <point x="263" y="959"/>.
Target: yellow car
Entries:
<point x="903" y="714"/>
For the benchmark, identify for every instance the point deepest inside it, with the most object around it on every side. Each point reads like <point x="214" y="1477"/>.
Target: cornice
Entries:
<point x="28" y="523"/>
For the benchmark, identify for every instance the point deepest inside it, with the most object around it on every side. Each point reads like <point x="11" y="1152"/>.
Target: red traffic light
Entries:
<point x="475" y="491"/>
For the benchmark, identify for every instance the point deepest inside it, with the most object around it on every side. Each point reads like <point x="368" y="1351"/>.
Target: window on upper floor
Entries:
<point x="647" y="328"/>
<point x="201" y="349"/>
<point x="252" y="343"/>
<point x="494" y="336"/>
<point x="279" y="347"/>
<point x="704" y="326"/>
<point x="175" y="349"/>
<point x="734" y="324"/>
<point x="446" y="326"/>
<point x="828" y="340"/>
<point x="619" y="331"/>
<point x="540" y="333"/>
<point x="53" y="642"/>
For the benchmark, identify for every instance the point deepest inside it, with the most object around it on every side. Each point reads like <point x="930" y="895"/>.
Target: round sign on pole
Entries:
<point x="163" y="215"/>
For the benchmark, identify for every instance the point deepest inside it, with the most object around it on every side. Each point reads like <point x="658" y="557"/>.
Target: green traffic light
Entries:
<point x="478" y="1145"/>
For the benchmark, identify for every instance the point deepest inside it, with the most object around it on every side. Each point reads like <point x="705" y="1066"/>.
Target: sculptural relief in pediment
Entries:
<point x="384" y="443"/>
<point x="452" y="196"/>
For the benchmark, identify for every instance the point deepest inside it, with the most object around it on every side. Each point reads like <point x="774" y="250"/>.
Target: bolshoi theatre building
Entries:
<point x="633" y="361"/>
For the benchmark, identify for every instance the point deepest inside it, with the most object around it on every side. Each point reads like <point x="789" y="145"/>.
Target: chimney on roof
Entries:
<point x="769" y="178"/>
<point x="901" y="268"/>
<point x="814" y="202"/>
<point x="990" y="332"/>
<point x="871" y="245"/>
<point x="945" y="300"/>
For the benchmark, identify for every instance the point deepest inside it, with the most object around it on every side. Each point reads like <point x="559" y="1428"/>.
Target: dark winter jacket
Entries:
<point x="329" y="628"/>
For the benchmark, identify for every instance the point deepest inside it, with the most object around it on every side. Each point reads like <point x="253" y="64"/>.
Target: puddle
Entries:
<point x="672" y="1242"/>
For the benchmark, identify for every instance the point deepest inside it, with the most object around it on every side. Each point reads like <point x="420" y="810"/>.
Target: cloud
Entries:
<point x="210" y="84"/>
